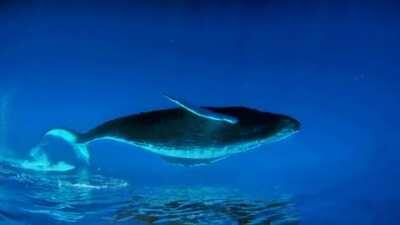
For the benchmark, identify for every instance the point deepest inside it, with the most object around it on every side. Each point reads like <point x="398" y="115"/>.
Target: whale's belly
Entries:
<point x="190" y="152"/>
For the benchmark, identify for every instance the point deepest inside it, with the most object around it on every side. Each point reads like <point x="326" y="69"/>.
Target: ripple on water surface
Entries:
<point x="82" y="198"/>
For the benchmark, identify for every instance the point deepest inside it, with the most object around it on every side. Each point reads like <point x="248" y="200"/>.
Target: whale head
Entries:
<point x="285" y="126"/>
<point x="255" y="125"/>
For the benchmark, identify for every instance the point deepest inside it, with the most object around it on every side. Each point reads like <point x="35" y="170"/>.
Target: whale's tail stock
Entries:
<point x="73" y="138"/>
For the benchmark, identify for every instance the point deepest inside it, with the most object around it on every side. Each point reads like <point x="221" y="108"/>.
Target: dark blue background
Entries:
<point x="334" y="65"/>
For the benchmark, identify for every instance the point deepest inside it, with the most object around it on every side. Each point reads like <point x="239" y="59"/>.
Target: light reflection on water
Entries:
<point x="80" y="197"/>
<point x="26" y="195"/>
<point x="204" y="205"/>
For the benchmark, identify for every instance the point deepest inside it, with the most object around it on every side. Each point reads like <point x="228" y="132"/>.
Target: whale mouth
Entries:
<point x="284" y="133"/>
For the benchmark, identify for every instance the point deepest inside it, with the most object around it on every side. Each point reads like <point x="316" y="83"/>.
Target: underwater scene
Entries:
<point x="189" y="112"/>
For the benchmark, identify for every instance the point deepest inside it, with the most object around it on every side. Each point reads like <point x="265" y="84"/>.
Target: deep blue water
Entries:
<point x="332" y="65"/>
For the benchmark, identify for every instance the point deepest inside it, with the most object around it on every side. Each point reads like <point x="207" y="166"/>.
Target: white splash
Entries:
<point x="40" y="162"/>
<point x="38" y="158"/>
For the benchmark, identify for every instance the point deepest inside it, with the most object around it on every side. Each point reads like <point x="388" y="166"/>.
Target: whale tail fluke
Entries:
<point x="72" y="138"/>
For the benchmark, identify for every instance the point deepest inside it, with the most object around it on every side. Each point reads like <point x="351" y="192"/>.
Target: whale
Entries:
<point x="187" y="134"/>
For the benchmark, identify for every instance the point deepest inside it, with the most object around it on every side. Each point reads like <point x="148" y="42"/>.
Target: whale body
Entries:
<point x="188" y="135"/>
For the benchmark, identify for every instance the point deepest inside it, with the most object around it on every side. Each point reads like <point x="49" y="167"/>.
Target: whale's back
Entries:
<point x="178" y="129"/>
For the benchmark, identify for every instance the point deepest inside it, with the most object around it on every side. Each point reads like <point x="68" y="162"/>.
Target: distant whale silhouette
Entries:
<point x="188" y="135"/>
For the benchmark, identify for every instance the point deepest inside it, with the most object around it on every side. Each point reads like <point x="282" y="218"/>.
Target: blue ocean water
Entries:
<point x="333" y="65"/>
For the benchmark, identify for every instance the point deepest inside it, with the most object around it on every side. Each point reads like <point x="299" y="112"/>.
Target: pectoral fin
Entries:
<point x="202" y="112"/>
